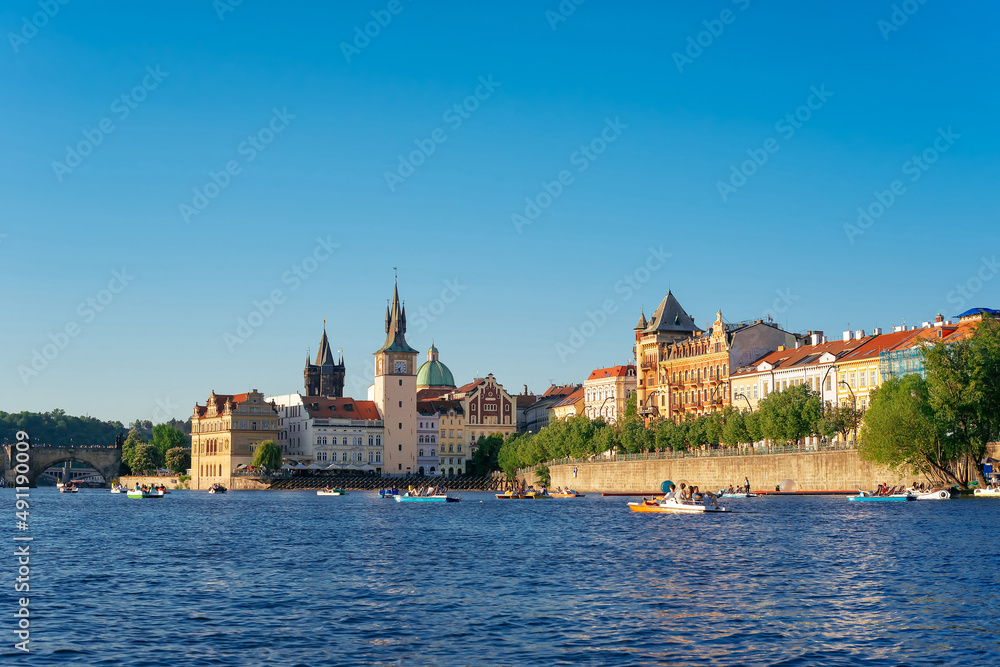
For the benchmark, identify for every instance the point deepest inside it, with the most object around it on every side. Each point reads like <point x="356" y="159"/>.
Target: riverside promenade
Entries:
<point x="813" y="468"/>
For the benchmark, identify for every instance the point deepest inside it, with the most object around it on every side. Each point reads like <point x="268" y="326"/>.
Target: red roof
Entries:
<point x="554" y="391"/>
<point x="801" y="355"/>
<point x="220" y="403"/>
<point x="322" y="407"/>
<point x="433" y="392"/>
<point x="432" y="407"/>
<point x="613" y="371"/>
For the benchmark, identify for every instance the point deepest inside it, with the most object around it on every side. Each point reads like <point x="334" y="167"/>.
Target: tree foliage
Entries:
<point x="58" y="428"/>
<point x="166" y="437"/>
<point x="145" y="459"/>
<point x="178" y="459"/>
<point x="267" y="455"/>
<point x="939" y="426"/>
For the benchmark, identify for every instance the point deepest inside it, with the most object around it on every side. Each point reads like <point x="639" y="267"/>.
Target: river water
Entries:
<point x="291" y="578"/>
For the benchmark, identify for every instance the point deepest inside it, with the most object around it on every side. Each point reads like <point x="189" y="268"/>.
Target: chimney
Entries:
<point x="859" y="334"/>
<point x="939" y="319"/>
<point x="781" y="348"/>
<point x="925" y="325"/>
<point x="816" y="338"/>
<point x="847" y="336"/>
<point x="899" y="328"/>
<point x="877" y="331"/>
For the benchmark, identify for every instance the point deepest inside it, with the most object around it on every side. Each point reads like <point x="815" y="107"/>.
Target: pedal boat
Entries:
<point x="530" y="495"/>
<point x="986" y="493"/>
<point x="673" y="506"/>
<point x="440" y="498"/>
<point x="332" y="492"/>
<point x="145" y="494"/>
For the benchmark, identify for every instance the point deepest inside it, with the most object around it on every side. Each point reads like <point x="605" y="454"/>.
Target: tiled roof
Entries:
<point x="439" y="407"/>
<point x="613" y="371"/>
<point x="807" y="354"/>
<point x="575" y="397"/>
<point x="553" y="391"/>
<point x="322" y="407"/>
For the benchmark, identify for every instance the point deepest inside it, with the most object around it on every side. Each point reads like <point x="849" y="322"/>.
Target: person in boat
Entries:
<point x="682" y="496"/>
<point x="672" y="493"/>
<point x="709" y="497"/>
<point x="746" y="484"/>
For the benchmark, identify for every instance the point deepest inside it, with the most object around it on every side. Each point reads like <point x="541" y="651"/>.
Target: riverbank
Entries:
<point x="829" y="471"/>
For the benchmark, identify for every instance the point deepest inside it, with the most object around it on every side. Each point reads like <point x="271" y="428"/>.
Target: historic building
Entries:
<point x="335" y="433"/>
<point x="395" y="392"/>
<point x="569" y="407"/>
<point x="441" y="426"/>
<point x="539" y="413"/>
<point x="607" y="390"/>
<point x="488" y="409"/>
<point x="682" y="370"/>
<point x="523" y="401"/>
<point x="225" y="432"/>
<point x="326" y="376"/>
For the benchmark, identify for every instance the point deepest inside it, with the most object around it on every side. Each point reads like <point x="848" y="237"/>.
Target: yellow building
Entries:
<point x="572" y="405"/>
<point x="225" y="432"/>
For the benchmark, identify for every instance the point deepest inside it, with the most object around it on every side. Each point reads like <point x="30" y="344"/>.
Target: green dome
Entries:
<point x="434" y="374"/>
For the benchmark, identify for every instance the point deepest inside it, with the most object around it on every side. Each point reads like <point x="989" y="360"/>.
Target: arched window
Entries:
<point x="420" y="453"/>
<point x="378" y="441"/>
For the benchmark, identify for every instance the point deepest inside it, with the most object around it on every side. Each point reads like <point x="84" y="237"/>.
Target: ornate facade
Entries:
<point x="607" y="390"/>
<point x="682" y="370"/>
<point x="225" y="432"/>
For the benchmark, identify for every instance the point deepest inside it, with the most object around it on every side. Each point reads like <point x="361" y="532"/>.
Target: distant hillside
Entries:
<point x="58" y="428"/>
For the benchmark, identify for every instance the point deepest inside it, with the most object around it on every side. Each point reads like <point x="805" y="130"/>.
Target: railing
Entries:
<point x="708" y="452"/>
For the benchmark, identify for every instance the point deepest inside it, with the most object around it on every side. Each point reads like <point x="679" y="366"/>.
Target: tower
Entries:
<point x="396" y="392"/>
<point x="326" y="376"/>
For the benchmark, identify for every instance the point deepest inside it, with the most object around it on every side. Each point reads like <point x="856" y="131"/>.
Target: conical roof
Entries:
<point x="669" y="316"/>
<point x="642" y="320"/>
<point x="324" y="357"/>
<point x="395" y="340"/>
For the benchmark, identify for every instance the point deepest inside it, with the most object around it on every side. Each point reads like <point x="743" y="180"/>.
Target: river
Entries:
<point x="291" y="578"/>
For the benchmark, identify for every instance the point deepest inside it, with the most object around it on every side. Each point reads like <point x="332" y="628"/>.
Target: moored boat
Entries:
<point x="989" y="492"/>
<point x="673" y="506"/>
<point x="865" y="497"/>
<point x="726" y="494"/>
<point x="119" y="489"/>
<point x="933" y="494"/>
<point x="217" y="488"/>
<point x="388" y="493"/>
<point x="69" y="489"/>
<point x="331" y="492"/>
<point x="530" y="495"/>
<point x="570" y="493"/>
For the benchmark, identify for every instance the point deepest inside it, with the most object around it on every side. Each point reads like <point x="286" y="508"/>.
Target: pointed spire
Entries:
<point x="308" y="361"/>
<point x="642" y="320"/>
<point x="395" y="325"/>
<point x="387" y="316"/>
<point x="324" y="357"/>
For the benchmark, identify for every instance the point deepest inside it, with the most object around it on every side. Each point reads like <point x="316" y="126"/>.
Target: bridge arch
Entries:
<point x="106" y="460"/>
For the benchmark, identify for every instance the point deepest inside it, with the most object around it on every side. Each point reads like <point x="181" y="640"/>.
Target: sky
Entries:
<point x="188" y="190"/>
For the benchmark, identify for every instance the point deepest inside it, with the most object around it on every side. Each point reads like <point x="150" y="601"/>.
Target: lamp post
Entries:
<point x="600" y="410"/>
<point x="744" y="397"/>
<point x="854" y="402"/>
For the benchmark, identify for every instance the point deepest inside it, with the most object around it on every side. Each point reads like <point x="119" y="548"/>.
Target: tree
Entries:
<point x="791" y="414"/>
<point x="840" y="419"/>
<point x="166" y="437"/>
<point x="963" y="382"/>
<point x="267" y="455"/>
<point x="734" y="429"/>
<point x="134" y="439"/>
<point x="178" y="459"/>
<point x="901" y="431"/>
<point x="145" y="459"/>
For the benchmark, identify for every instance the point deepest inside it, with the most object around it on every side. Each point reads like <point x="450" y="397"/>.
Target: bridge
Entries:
<point x="106" y="460"/>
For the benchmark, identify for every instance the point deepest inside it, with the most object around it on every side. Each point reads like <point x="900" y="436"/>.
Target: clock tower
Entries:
<point x="396" y="392"/>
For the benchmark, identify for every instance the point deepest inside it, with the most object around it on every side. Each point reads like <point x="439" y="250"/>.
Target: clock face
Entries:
<point x="400" y="366"/>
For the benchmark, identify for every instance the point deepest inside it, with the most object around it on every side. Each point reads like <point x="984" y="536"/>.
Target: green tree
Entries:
<point x="543" y="474"/>
<point x="734" y="431"/>
<point x="134" y="439"/>
<point x="901" y="431"/>
<point x="963" y="381"/>
<point x="145" y="459"/>
<point x="178" y="459"/>
<point x="840" y="419"/>
<point x="166" y="437"/>
<point x="791" y="414"/>
<point x="267" y="455"/>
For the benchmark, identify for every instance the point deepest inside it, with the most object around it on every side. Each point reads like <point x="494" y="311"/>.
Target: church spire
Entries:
<point x="396" y="325"/>
<point x="324" y="357"/>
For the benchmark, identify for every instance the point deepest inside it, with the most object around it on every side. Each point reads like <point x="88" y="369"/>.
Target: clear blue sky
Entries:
<point x="678" y="126"/>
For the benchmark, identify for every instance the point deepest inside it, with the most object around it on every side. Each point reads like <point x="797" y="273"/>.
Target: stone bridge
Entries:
<point x="106" y="460"/>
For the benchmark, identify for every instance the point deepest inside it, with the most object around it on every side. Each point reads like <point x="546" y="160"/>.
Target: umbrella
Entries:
<point x="314" y="466"/>
<point x="288" y="466"/>
<point x="300" y="467"/>
<point x="332" y="466"/>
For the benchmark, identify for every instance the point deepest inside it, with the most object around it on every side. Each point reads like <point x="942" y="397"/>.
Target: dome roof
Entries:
<point x="432" y="373"/>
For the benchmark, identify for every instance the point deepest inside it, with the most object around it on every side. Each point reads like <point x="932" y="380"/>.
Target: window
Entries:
<point x="873" y="381"/>
<point x="861" y="380"/>
<point x="451" y="448"/>
<point x="459" y="448"/>
<point x="850" y="379"/>
<point x="420" y="453"/>
<point x="378" y="441"/>
<point x="433" y="452"/>
<point x="401" y="448"/>
<point x="829" y="383"/>
<point x="378" y="457"/>
<point x="371" y="440"/>
<point x="343" y="457"/>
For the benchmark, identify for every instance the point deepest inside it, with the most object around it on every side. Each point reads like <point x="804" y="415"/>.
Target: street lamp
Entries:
<point x="600" y="410"/>
<point x="744" y="397"/>
<point x="854" y="403"/>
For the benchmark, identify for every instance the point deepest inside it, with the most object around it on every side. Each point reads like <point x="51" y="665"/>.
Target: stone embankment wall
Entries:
<point x="231" y="483"/>
<point x="152" y="480"/>
<point x="812" y="471"/>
